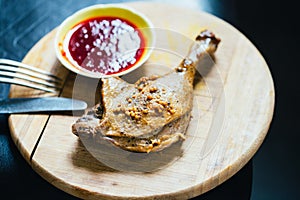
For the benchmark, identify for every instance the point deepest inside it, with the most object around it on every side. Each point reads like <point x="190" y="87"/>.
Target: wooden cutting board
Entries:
<point x="233" y="108"/>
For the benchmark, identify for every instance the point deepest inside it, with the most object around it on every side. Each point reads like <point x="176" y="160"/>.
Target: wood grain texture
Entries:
<point x="233" y="108"/>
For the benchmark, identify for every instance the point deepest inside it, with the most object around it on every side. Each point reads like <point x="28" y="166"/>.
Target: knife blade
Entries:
<point x="43" y="104"/>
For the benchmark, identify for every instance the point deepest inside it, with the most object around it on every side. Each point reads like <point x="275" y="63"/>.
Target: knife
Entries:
<point x="29" y="105"/>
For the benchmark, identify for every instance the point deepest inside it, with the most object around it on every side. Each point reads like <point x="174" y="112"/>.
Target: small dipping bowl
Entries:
<point x="104" y="40"/>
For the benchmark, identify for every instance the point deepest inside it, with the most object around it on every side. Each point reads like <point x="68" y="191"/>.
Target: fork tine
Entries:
<point x="28" y="67"/>
<point x="18" y="73"/>
<point x="27" y="84"/>
<point x="22" y="65"/>
<point x="28" y="78"/>
<point x="30" y="73"/>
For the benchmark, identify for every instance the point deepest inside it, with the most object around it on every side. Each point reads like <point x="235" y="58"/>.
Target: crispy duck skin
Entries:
<point x="151" y="114"/>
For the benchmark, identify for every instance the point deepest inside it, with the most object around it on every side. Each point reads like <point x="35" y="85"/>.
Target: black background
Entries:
<point x="272" y="26"/>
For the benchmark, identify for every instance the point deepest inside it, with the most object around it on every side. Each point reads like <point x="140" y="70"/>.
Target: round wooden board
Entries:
<point x="230" y="120"/>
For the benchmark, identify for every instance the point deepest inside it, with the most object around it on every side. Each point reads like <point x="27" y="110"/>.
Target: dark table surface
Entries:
<point x="272" y="26"/>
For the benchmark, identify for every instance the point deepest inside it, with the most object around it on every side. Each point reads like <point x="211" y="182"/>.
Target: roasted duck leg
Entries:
<point x="151" y="114"/>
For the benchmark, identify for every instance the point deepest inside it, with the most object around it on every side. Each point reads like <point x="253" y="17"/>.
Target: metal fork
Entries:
<point x="18" y="73"/>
